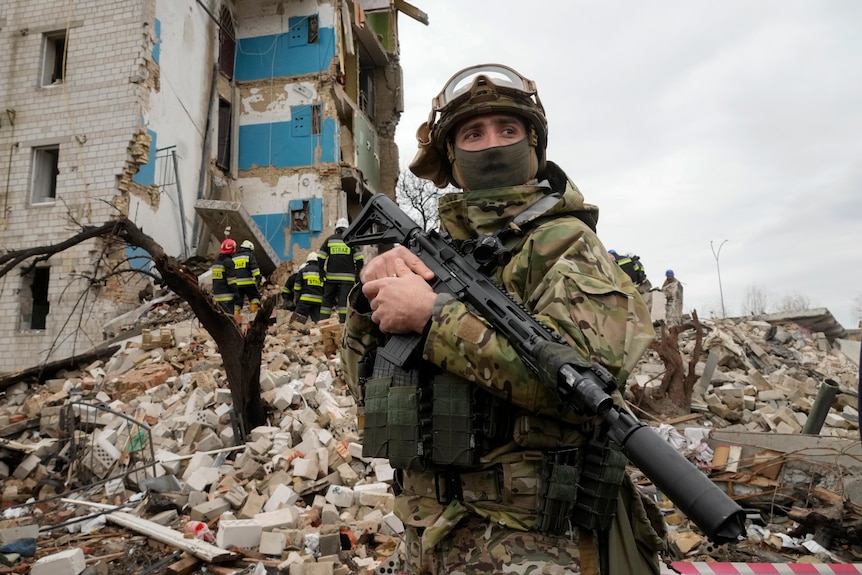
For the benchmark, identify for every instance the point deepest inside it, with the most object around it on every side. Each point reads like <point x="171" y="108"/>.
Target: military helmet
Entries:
<point x="247" y="244"/>
<point x="482" y="89"/>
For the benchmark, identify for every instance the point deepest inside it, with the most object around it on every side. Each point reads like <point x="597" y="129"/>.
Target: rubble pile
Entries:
<point x="133" y="463"/>
<point x="757" y="428"/>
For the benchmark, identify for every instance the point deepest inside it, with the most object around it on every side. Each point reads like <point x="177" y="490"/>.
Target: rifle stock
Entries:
<point x="583" y="386"/>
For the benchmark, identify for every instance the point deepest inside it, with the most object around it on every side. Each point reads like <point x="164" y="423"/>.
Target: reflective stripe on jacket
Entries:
<point x="245" y="264"/>
<point x="224" y="278"/>
<point x="309" y="283"/>
<point x="341" y="262"/>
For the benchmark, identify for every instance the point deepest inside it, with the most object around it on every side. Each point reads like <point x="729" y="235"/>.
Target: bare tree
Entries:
<point x="755" y="302"/>
<point x="793" y="302"/>
<point x="418" y="198"/>
<point x="673" y="396"/>
<point x="857" y="308"/>
<point x="241" y="352"/>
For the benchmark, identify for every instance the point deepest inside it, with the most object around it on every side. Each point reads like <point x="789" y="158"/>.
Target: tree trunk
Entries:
<point x="241" y="354"/>
<point x="677" y="385"/>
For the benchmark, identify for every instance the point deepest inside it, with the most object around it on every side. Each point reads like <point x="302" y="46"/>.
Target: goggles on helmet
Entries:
<point x="482" y="83"/>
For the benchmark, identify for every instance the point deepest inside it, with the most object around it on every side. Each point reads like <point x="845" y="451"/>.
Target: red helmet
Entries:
<point x="228" y="246"/>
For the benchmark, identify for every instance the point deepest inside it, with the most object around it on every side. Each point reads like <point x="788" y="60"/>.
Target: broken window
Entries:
<point x="223" y="152"/>
<point x="53" y="58"/>
<point x="304" y="30"/>
<point x="46" y="160"/>
<point x="306" y="120"/>
<point x="35" y="303"/>
<point x="299" y="216"/>
<point x="313" y="29"/>
<point x="366" y="86"/>
<point x="226" y="43"/>
<point x="316" y="119"/>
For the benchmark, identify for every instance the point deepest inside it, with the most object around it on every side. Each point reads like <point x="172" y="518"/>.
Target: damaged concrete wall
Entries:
<point x="69" y="82"/>
<point x="288" y="148"/>
<point x="177" y="73"/>
<point x="303" y="117"/>
<point x="128" y="121"/>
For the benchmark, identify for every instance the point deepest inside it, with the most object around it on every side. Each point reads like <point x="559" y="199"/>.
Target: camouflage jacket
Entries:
<point x="561" y="272"/>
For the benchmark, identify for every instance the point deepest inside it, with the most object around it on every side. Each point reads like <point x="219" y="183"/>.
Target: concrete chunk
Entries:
<point x="209" y="510"/>
<point x="272" y="543"/>
<point x="238" y="533"/>
<point x="68" y="562"/>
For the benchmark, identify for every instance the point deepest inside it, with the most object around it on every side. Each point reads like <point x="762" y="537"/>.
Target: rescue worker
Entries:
<point x="632" y="266"/>
<point x="341" y="264"/>
<point x="225" y="292"/>
<point x="248" y="276"/>
<point x="288" y="295"/>
<point x="635" y="270"/>
<point x="474" y="462"/>
<point x="672" y="290"/>
<point x="309" y="288"/>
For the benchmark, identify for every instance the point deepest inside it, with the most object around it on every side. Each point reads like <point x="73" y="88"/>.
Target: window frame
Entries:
<point x="224" y="139"/>
<point x="54" y="48"/>
<point x="227" y="43"/>
<point x="37" y="283"/>
<point x="44" y="174"/>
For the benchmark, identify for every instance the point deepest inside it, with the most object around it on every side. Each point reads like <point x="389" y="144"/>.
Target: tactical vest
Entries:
<point x="424" y="419"/>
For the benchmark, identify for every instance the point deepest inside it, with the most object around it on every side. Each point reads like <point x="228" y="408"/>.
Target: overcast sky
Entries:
<point x="686" y="123"/>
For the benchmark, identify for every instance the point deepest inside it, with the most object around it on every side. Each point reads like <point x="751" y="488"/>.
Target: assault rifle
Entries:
<point x="583" y="386"/>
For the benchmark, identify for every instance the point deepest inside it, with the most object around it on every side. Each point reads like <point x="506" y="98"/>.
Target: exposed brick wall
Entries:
<point x="92" y="117"/>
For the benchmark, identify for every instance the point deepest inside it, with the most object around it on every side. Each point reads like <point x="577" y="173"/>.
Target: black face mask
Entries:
<point x="498" y="167"/>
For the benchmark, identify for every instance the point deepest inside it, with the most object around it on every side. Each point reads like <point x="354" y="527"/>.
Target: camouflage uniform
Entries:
<point x="560" y="272"/>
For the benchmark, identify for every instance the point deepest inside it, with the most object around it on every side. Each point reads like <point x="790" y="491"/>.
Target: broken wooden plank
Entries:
<point x="47" y="370"/>
<point x="184" y="566"/>
<point x="683" y="418"/>
<point x="200" y="549"/>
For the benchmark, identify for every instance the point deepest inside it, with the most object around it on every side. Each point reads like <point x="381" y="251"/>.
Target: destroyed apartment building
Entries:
<point x="128" y="460"/>
<point x="264" y="119"/>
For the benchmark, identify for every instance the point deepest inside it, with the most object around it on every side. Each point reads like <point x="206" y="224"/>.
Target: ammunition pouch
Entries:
<point x="397" y="416"/>
<point x="601" y="472"/>
<point x="419" y="420"/>
<point x="580" y="488"/>
<point x="532" y="432"/>
<point x="512" y="484"/>
<point x="466" y="420"/>
<point x="559" y="491"/>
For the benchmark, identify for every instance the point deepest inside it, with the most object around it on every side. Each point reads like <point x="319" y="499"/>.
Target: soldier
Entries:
<point x="473" y="434"/>
<point x="341" y="264"/>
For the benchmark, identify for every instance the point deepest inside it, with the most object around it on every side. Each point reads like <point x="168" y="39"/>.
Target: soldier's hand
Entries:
<point x="388" y="263"/>
<point x="401" y="302"/>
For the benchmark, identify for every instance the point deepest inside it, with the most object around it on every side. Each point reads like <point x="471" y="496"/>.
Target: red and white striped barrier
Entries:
<point x="693" y="568"/>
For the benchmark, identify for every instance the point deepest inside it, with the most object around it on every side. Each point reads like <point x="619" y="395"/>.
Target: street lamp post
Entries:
<point x="715" y="254"/>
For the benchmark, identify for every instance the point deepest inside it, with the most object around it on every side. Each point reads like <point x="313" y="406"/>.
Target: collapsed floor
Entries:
<point x="128" y="464"/>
